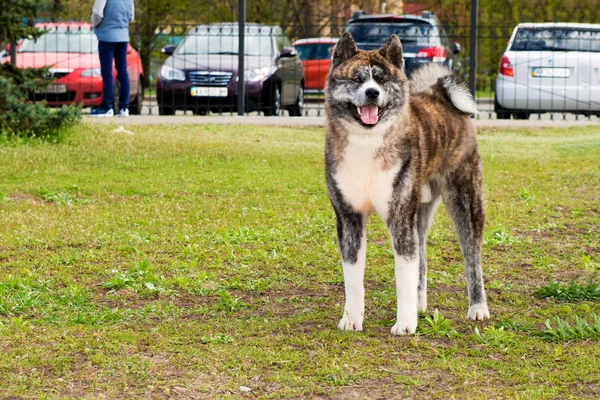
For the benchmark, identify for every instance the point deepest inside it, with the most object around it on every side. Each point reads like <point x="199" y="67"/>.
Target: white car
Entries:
<point x="549" y="67"/>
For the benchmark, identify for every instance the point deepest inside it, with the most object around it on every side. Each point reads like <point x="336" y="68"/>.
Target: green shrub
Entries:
<point x="23" y="118"/>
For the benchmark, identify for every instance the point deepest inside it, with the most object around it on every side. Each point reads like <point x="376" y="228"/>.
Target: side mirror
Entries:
<point x="129" y="49"/>
<point x="169" y="50"/>
<point x="457" y="48"/>
<point x="288" y="52"/>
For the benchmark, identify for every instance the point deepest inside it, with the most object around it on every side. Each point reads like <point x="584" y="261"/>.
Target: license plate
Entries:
<point x="200" y="91"/>
<point x="551" y="72"/>
<point x="56" y="89"/>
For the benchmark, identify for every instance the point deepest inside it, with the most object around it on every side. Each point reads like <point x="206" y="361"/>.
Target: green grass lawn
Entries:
<point x="187" y="261"/>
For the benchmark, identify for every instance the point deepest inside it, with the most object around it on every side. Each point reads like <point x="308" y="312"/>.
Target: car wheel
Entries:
<point x="165" y="111"/>
<point x="200" y="111"/>
<point x="521" y="115"/>
<point x="275" y="107"/>
<point x="501" y="113"/>
<point x="135" y="107"/>
<point x="297" y="110"/>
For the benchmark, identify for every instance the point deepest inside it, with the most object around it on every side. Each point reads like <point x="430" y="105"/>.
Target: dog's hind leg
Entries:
<point x="351" y="229"/>
<point x="426" y="212"/>
<point x="463" y="197"/>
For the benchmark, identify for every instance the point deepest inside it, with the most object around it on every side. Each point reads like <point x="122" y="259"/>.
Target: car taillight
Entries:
<point x="438" y="53"/>
<point x="505" y="67"/>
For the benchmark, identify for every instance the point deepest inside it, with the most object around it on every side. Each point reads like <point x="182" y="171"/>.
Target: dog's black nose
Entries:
<point x="372" y="93"/>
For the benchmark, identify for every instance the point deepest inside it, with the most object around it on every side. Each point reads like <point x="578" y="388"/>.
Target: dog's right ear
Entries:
<point x="345" y="49"/>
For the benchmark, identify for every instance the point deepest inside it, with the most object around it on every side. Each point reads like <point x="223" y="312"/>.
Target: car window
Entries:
<point x="556" y="39"/>
<point x="316" y="51"/>
<point x="286" y="42"/>
<point x="255" y="45"/>
<point x="62" y="42"/>
<point x="414" y="32"/>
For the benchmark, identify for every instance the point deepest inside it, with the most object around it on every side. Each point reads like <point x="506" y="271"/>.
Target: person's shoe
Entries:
<point x="124" y="112"/>
<point x="102" y="112"/>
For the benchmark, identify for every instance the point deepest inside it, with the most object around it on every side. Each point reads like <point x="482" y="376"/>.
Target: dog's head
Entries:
<point x="367" y="89"/>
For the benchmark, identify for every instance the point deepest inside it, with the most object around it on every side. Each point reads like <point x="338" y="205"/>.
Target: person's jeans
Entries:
<point x="107" y="51"/>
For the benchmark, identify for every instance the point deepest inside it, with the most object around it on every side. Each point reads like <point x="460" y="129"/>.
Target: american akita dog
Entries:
<point x="398" y="147"/>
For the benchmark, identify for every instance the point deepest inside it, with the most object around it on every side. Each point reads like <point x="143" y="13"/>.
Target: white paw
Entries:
<point x="405" y="326"/>
<point x="422" y="301"/>
<point x="478" y="312"/>
<point x="350" y="324"/>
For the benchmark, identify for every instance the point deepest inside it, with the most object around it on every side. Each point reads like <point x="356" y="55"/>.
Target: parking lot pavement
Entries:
<point x="315" y="116"/>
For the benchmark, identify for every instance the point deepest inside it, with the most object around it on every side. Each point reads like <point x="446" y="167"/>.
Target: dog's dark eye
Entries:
<point x="357" y="79"/>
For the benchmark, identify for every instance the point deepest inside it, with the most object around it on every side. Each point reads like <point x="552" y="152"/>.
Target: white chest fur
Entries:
<point x="361" y="178"/>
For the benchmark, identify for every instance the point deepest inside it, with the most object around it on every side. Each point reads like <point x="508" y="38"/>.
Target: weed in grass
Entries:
<point x="544" y="262"/>
<point x="436" y="325"/>
<point x="218" y="339"/>
<point x="499" y="237"/>
<point x="496" y="337"/>
<point x="18" y="295"/>
<point x="62" y="199"/>
<point x="573" y="292"/>
<point x="588" y="263"/>
<point x="140" y="278"/>
<point x="525" y="195"/>
<point x="564" y="332"/>
<point x="228" y="303"/>
<point x="516" y="326"/>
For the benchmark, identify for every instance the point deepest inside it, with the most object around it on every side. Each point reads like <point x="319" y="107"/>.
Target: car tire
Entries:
<point x="116" y="89"/>
<point x="200" y="111"/>
<point x="523" y="115"/>
<point x="135" y="107"/>
<point x="274" y="108"/>
<point x="501" y="113"/>
<point x="297" y="110"/>
<point x="165" y="110"/>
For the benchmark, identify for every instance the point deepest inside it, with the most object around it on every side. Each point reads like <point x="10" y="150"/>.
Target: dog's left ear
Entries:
<point x="392" y="51"/>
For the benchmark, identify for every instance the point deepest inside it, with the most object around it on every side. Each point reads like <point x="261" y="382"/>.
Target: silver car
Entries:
<point x="549" y="67"/>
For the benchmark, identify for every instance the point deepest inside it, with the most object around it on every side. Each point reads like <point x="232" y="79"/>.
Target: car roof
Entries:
<point x="318" y="40"/>
<point x="234" y="27"/>
<point x="426" y="17"/>
<point x="558" y="25"/>
<point x="65" y="25"/>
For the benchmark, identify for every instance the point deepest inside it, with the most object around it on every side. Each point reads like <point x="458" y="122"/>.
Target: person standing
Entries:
<point x="111" y="19"/>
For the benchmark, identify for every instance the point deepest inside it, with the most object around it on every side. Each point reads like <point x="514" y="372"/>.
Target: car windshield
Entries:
<point x="315" y="51"/>
<point x="556" y="39"/>
<point x="255" y="45"/>
<point x="413" y="33"/>
<point x="62" y="42"/>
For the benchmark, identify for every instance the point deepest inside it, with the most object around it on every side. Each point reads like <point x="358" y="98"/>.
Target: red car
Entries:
<point x="70" y="50"/>
<point x="315" y="54"/>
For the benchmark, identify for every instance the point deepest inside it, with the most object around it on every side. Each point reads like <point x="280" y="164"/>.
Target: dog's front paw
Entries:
<point x="405" y="325"/>
<point x="350" y="324"/>
<point x="478" y="312"/>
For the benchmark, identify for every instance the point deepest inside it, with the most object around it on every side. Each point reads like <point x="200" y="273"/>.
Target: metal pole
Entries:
<point x="13" y="53"/>
<point x="241" y="51"/>
<point x="473" y="52"/>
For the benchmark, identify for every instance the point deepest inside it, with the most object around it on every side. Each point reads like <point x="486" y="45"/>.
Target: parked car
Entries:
<point x="423" y="38"/>
<point x="549" y="67"/>
<point x="201" y="74"/>
<point x="315" y="54"/>
<point x="70" y="50"/>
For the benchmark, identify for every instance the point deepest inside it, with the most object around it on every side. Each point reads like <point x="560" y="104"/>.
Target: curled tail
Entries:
<point x="439" y="80"/>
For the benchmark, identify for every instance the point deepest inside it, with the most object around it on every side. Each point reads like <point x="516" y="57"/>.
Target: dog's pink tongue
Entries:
<point x="369" y="114"/>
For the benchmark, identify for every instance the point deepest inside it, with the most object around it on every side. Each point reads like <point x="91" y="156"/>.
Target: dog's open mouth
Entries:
<point x="369" y="114"/>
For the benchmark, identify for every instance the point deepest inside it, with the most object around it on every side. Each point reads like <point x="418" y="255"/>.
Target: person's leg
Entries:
<point x="106" y="53"/>
<point x="122" y="74"/>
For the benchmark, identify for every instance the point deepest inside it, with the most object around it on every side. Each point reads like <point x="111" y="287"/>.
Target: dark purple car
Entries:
<point x="201" y="74"/>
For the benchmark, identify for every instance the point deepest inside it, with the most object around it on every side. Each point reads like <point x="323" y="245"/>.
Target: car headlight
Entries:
<point x="91" y="72"/>
<point x="172" y="74"/>
<point x="253" y="75"/>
